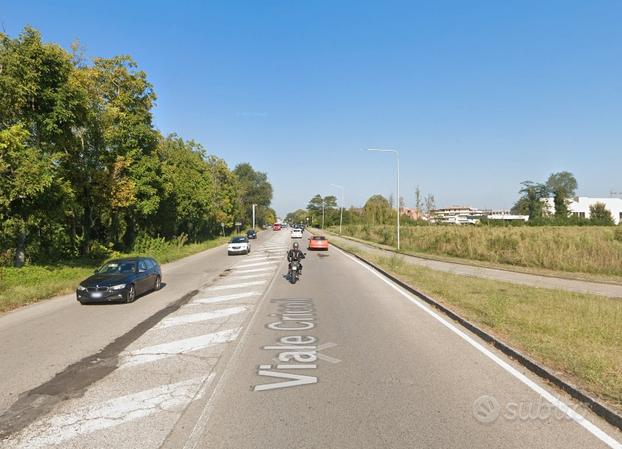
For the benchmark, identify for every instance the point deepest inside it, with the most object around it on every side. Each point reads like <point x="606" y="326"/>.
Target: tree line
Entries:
<point x="561" y="187"/>
<point x="83" y="171"/>
<point x="377" y="210"/>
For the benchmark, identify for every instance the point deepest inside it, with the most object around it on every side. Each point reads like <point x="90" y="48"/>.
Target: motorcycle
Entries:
<point x="294" y="272"/>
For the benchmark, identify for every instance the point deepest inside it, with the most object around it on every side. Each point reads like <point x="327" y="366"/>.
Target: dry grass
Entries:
<point x="586" y="249"/>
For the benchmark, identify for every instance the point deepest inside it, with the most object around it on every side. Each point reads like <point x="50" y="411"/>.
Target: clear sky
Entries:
<point x="477" y="96"/>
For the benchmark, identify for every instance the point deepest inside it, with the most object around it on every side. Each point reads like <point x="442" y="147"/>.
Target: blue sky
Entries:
<point x="477" y="96"/>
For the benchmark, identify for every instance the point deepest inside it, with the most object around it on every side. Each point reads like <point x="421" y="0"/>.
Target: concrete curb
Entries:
<point x="593" y="404"/>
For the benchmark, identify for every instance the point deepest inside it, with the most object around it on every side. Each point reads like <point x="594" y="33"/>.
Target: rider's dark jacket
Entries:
<point x="295" y="255"/>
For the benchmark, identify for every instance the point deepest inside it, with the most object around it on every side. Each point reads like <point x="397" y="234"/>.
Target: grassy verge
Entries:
<point x="612" y="274"/>
<point x="577" y="335"/>
<point x="20" y="286"/>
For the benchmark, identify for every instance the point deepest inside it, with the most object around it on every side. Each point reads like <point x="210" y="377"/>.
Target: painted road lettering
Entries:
<point x="295" y="351"/>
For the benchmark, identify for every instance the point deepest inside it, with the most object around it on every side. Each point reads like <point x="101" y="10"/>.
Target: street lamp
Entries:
<point x="397" y="157"/>
<point x="341" y="215"/>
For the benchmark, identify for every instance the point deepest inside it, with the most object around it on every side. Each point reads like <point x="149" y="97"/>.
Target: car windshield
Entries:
<point x="238" y="240"/>
<point x="118" y="267"/>
<point x="319" y="238"/>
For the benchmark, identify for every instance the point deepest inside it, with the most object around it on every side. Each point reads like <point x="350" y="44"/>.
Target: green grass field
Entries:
<point x="20" y="286"/>
<point x="593" y="250"/>
<point x="575" y="334"/>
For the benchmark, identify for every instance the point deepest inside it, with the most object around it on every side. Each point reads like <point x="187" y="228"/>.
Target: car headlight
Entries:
<point x="81" y="288"/>
<point x="117" y="287"/>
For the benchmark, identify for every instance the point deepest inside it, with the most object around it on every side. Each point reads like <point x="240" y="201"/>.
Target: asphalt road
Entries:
<point x="342" y="359"/>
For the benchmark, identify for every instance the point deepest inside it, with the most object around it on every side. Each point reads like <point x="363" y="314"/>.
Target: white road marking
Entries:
<point x="240" y="285"/>
<point x="216" y="299"/>
<point x="256" y="264"/>
<point x="198" y="317"/>
<point x="254" y="270"/>
<point x="83" y="421"/>
<point x="158" y="352"/>
<point x="555" y="401"/>
<point x="250" y="276"/>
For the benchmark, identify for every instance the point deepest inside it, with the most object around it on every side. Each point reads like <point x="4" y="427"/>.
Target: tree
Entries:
<point x="430" y="204"/>
<point x="532" y="200"/>
<point x="563" y="186"/>
<point x="377" y="210"/>
<point x="600" y="215"/>
<point x="418" y="200"/>
<point x="24" y="174"/>
<point x="254" y="188"/>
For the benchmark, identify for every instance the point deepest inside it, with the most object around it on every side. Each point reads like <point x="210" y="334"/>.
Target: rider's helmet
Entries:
<point x="295" y="245"/>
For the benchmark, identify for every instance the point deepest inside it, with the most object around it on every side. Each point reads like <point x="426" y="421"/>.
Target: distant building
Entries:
<point x="580" y="207"/>
<point x="469" y="215"/>
<point x="413" y="212"/>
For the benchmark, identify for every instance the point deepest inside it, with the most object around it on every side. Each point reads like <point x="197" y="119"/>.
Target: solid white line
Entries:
<point x="83" y="421"/>
<point x="158" y="352"/>
<point x="256" y="264"/>
<point x="198" y="317"/>
<point x="216" y="299"/>
<point x="558" y="403"/>
<point x="240" y="285"/>
<point x="254" y="270"/>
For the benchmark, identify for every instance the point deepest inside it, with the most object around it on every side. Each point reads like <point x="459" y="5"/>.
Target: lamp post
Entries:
<point x="397" y="157"/>
<point x="341" y="215"/>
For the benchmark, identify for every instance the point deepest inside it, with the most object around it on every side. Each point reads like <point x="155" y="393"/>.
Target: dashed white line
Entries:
<point x="216" y="299"/>
<point x="256" y="264"/>
<point x="199" y="317"/>
<point x="83" y="421"/>
<point x="158" y="352"/>
<point x="254" y="270"/>
<point x="240" y="285"/>
<point x="251" y="276"/>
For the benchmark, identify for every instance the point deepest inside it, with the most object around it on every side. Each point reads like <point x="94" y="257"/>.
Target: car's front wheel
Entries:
<point x="130" y="296"/>
<point x="158" y="284"/>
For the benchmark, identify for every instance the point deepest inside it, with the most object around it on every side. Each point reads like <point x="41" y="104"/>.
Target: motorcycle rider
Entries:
<point x="295" y="255"/>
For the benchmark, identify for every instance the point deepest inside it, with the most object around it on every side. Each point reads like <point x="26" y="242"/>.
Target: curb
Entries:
<point x="593" y="404"/>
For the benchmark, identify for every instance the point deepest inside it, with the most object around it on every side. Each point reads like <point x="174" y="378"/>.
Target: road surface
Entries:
<point x="342" y="359"/>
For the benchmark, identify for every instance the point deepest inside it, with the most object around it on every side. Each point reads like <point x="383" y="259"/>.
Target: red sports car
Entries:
<point x="318" y="242"/>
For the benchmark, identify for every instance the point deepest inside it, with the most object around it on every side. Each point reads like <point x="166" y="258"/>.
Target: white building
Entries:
<point x="580" y="207"/>
<point x="469" y="215"/>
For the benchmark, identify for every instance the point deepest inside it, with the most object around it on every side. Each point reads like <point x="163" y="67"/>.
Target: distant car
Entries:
<point x="296" y="233"/>
<point x="120" y="280"/>
<point x="251" y="234"/>
<point x="318" y="242"/>
<point x="276" y="227"/>
<point x="239" y="245"/>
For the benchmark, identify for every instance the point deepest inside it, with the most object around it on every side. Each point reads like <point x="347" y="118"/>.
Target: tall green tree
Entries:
<point x="254" y="188"/>
<point x="377" y="210"/>
<point x="562" y="186"/>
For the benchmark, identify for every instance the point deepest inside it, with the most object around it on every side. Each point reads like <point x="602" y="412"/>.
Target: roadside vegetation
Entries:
<point x="20" y="286"/>
<point x="577" y="335"/>
<point x="573" y="249"/>
<point x="85" y="174"/>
